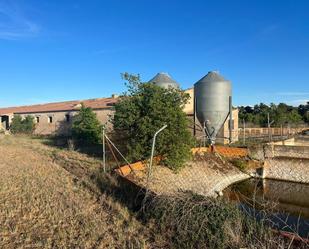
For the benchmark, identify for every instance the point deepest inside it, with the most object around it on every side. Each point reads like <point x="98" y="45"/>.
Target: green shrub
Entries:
<point x="86" y="128"/>
<point x="22" y="126"/>
<point x="240" y="164"/>
<point x="144" y="109"/>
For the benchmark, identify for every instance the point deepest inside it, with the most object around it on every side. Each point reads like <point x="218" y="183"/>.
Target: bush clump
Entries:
<point x="22" y="126"/>
<point x="193" y="221"/>
<point x="241" y="164"/>
<point x="86" y="128"/>
<point x="143" y="110"/>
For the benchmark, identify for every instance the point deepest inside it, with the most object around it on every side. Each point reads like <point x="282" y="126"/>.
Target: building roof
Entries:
<point x="99" y="103"/>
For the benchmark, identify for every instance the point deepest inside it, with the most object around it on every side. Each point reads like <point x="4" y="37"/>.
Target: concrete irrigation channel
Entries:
<point x="286" y="160"/>
<point x="207" y="174"/>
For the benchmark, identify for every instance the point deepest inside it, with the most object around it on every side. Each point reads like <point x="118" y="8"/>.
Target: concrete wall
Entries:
<point x="59" y="124"/>
<point x="290" y="148"/>
<point x="104" y="116"/>
<point x="291" y="151"/>
<point x="287" y="169"/>
<point x="295" y="141"/>
<point x="283" y="162"/>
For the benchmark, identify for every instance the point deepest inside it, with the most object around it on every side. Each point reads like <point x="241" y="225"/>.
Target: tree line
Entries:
<point x="281" y="114"/>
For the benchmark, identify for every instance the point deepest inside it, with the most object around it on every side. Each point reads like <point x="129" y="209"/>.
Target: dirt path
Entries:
<point x="42" y="205"/>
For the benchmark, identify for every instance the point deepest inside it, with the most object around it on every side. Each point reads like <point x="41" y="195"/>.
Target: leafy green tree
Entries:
<point x="19" y="125"/>
<point x="303" y="110"/>
<point x="28" y="124"/>
<point x="281" y="114"/>
<point x="286" y="114"/>
<point x="86" y="128"/>
<point x="144" y="109"/>
<point x="16" y="125"/>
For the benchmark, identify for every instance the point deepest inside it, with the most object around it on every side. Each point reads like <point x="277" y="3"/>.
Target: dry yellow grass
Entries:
<point x="44" y="205"/>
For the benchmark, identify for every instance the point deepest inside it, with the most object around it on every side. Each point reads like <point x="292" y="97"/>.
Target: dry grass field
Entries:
<point x="47" y="201"/>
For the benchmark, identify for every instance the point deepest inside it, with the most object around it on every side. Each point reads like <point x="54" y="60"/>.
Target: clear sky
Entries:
<point x="54" y="50"/>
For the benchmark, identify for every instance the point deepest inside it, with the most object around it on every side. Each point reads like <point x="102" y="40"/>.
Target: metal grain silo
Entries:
<point x="212" y="96"/>
<point x="164" y="80"/>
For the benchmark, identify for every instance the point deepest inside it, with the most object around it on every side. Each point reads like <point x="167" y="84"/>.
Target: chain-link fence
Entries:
<point x="208" y="174"/>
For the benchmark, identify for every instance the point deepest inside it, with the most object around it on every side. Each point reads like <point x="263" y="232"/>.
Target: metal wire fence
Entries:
<point x="207" y="174"/>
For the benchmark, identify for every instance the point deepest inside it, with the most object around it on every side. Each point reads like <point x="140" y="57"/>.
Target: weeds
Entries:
<point x="192" y="221"/>
<point x="240" y="163"/>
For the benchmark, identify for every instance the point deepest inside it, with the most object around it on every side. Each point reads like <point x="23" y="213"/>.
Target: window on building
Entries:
<point x="50" y="119"/>
<point x="37" y="119"/>
<point x="67" y="117"/>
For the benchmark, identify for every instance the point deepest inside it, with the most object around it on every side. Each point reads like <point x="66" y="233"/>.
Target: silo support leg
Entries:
<point x="231" y="119"/>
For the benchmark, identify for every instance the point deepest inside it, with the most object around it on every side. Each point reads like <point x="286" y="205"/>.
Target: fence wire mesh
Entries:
<point x="211" y="174"/>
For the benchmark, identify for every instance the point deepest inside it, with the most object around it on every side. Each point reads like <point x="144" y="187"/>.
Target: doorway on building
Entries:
<point x="5" y="122"/>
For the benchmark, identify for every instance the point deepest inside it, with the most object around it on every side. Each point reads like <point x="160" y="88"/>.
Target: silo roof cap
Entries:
<point x="212" y="76"/>
<point x="163" y="79"/>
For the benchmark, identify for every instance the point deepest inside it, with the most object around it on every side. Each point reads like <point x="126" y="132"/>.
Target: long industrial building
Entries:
<point x="56" y="118"/>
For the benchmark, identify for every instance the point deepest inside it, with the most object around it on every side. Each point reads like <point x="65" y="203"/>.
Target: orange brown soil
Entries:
<point x="229" y="152"/>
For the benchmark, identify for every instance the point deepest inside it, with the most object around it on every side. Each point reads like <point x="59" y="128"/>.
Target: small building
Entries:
<point x="56" y="118"/>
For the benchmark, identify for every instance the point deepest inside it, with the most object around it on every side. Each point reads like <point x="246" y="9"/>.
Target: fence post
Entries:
<point x="244" y="137"/>
<point x="230" y="119"/>
<point x="153" y="148"/>
<point x="103" y="148"/>
<point x="269" y="129"/>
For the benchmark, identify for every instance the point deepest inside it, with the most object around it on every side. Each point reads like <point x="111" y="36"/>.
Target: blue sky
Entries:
<point x="64" y="50"/>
